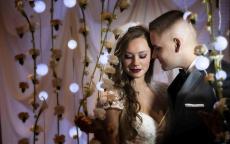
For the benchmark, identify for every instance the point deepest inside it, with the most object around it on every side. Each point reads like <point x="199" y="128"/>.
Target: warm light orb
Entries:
<point x="43" y="95"/>
<point x="98" y="86"/>
<point x="73" y="132"/>
<point x="202" y="63"/>
<point x="72" y="44"/>
<point x="42" y="69"/>
<point x="221" y="43"/>
<point x="39" y="6"/>
<point x="73" y="87"/>
<point x="70" y="3"/>
<point x="221" y="75"/>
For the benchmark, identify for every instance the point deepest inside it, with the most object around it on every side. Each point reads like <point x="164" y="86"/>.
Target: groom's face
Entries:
<point x="163" y="49"/>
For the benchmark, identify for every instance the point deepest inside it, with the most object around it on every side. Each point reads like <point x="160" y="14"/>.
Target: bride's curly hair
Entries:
<point x="124" y="82"/>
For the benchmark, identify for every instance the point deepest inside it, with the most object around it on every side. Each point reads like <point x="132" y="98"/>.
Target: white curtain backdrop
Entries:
<point x="13" y="101"/>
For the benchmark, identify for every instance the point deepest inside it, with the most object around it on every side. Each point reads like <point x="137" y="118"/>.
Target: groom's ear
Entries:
<point x="176" y="44"/>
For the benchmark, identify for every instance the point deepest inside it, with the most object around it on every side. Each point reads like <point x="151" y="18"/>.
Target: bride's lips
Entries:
<point x="133" y="70"/>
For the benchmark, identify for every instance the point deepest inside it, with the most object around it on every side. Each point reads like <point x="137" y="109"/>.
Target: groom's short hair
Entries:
<point x="165" y="21"/>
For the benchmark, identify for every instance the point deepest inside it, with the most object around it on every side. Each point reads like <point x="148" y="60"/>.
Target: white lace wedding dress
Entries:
<point x="146" y="130"/>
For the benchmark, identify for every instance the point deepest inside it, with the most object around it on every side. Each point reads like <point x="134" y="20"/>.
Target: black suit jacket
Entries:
<point x="189" y="96"/>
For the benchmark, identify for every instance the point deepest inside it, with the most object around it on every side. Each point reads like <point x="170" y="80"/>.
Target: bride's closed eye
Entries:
<point x="128" y="56"/>
<point x="142" y="56"/>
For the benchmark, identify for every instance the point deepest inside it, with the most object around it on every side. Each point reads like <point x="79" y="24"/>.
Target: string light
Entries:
<point x="72" y="44"/>
<point x="98" y="86"/>
<point x="39" y="6"/>
<point x="186" y="15"/>
<point x="74" y="87"/>
<point x="202" y="63"/>
<point x="221" y="75"/>
<point x="103" y="60"/>
<point x="42" y="69"/>
<point x="70" y="3"/>
<point x="220" y="43"/>
<point x="73" y="132"/>
<point x="43" y="95"/>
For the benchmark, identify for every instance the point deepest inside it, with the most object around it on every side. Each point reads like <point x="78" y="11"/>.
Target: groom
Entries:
<point x="190" y="96"/>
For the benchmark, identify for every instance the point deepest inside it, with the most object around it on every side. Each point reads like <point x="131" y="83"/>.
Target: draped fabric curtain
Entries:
<point x="13" y="101"/>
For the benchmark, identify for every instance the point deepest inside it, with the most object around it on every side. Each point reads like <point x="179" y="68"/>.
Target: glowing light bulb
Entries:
<point x="104" y="58"/>
<point x="70" y="3"/>
<point x="39" y="6"/>
<point x="98" y="86"/>
<point x="221" y="75"/>
<point x="202" y="63"/>
<point x="186" y="14"/>
<point x="73" y="132"/>
<point x="72" y="44"/>
<point x="74" y="87"/>
<point x="42" y="69"/>
<point x="221" y="43"/>
<point x="43" y="95"/>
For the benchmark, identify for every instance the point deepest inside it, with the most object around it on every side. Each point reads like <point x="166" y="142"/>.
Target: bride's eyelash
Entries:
<point x="128" y="56"/>
<point x="143" y="56"/>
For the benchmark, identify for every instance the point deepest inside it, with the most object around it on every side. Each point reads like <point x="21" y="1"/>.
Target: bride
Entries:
<point x="136" y="114"/>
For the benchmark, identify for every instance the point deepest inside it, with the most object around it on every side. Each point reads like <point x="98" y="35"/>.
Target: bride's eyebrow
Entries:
<point x="141" y="52"/>
<point x="128" y="53"/>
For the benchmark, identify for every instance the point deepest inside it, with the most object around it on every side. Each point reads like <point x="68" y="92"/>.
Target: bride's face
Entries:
<point x="137" y="57"/>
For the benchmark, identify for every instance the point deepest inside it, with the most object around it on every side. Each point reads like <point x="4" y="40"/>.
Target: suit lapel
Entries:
<point x="183" y="85"/>
<point x="193" y="79"/>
